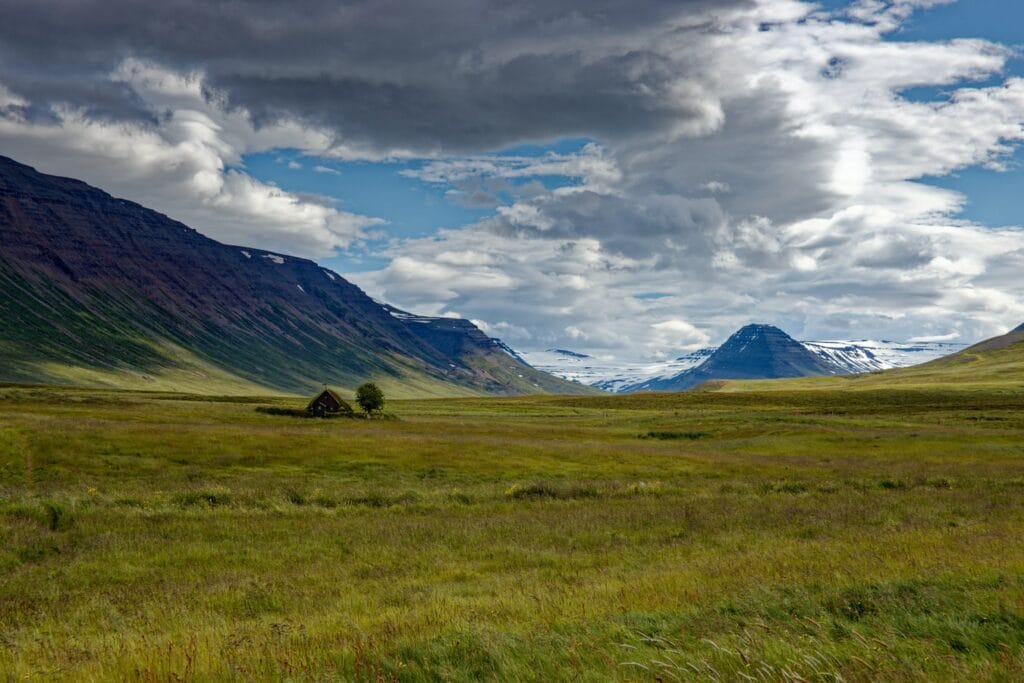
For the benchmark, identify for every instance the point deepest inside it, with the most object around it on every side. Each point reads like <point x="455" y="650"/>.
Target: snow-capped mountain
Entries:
<point x="752" y="352"/>
<point x="845" y="356"/>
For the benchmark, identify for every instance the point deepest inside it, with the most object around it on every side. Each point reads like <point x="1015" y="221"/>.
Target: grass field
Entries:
<point x="782" y="535"/>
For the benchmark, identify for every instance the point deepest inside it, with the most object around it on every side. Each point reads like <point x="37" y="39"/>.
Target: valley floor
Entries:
<point x="790" y="535"/>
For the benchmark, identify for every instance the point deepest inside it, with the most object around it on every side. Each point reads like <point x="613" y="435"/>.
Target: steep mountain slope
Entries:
<point x="754" y="352"/>
<point x="99" y="290"/>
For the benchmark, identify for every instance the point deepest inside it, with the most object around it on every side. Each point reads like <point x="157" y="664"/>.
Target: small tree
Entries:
<point x="370" y="398"/>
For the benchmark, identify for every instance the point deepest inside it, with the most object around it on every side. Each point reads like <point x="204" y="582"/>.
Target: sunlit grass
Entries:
<point x="784" y="535"/>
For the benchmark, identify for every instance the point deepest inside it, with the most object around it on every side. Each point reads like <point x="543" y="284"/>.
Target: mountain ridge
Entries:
<point x="849" y="357"/>
<point x="105" y="289"/>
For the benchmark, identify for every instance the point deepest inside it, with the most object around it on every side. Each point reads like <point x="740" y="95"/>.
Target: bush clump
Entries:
<point x="345" y="410"/>
<point x="674" y="436"/>
<point x="539" y="490"/>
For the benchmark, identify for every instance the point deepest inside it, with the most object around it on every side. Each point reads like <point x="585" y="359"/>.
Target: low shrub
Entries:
<point x="344" y="411"/>
<point x="538" y="490"/>
<point x="672" y="436"/>
<point x="286" y="412"/>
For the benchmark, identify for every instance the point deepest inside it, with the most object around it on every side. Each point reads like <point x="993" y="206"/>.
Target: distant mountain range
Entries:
<point x="754" y="352"/>
<point x="101" y="291"/>
<point x="609" y="375"/>
<point x="996" y="363"/>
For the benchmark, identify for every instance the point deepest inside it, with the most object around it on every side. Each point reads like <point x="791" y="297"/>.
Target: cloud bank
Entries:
<point x="751" y="160"/>
<point x="799" y="208"/>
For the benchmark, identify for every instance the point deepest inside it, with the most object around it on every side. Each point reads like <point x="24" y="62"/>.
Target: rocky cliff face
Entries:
<point x="754" y="352"/>
<point x="101" y="284"/>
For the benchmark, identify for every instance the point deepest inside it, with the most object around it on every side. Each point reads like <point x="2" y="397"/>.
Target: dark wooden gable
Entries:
<point x="326" y="402"/>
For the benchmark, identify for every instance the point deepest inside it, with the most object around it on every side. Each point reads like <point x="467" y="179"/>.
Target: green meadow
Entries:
<point x="808" y="534"/>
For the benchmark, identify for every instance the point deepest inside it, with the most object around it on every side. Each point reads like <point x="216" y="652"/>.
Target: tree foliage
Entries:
<point x="370" y="398"/>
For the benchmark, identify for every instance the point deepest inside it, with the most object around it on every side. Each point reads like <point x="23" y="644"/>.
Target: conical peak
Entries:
<point x="756" y="331"/>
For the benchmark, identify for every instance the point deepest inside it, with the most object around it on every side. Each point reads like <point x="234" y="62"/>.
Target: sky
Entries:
<point x="631" y="180"/>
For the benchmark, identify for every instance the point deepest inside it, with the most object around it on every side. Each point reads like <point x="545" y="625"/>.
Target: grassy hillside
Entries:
<point x="809" y="535"/>
<point x="97" y="291"/>
<point x="995" y="364"/>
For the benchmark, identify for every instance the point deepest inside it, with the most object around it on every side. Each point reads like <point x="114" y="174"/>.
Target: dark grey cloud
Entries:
<point x="773" y="173"/>
<point x="449" y="75"/>
<point x="668" y="228"/>
<point x="899" y="252"/>
<point x="99" y="99"/>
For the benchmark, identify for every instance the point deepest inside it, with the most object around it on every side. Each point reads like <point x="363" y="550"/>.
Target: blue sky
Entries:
<point x="993" y="196"/>
<point x="412" y="208"/>
<point x="1000" y="21"/>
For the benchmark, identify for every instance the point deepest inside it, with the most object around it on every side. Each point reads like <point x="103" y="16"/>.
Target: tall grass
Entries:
<point x="802" y="536"/>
